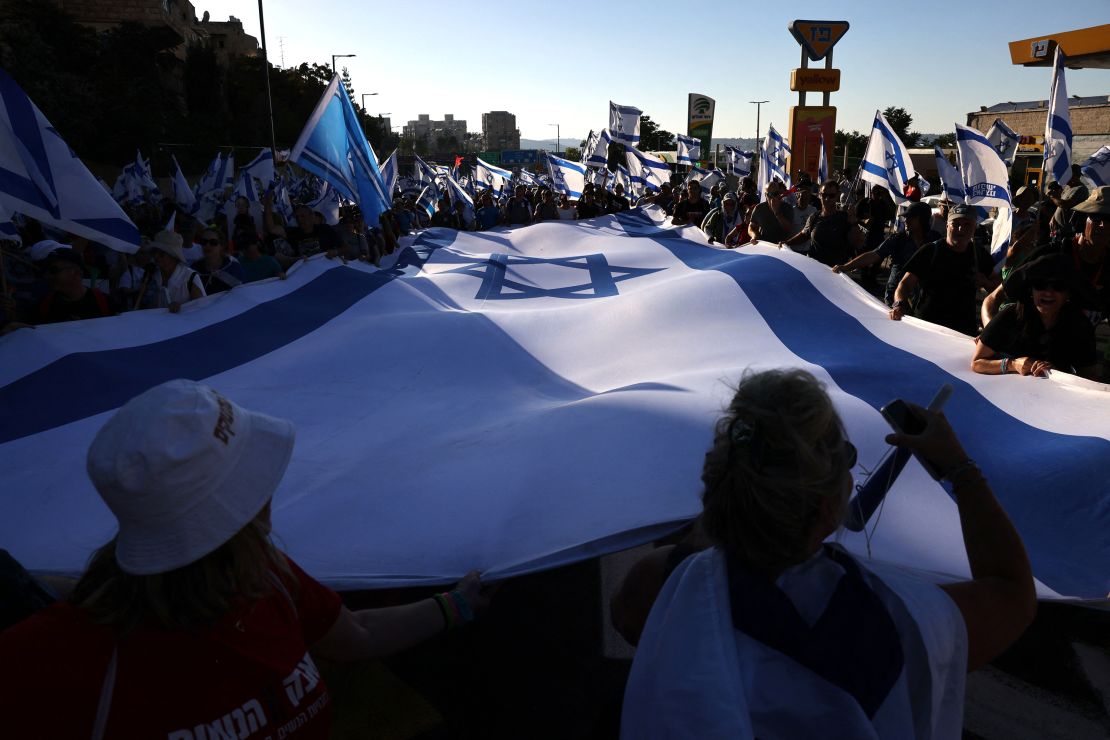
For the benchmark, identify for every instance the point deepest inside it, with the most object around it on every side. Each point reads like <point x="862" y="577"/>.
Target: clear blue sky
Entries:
<point x="554" y="64"/>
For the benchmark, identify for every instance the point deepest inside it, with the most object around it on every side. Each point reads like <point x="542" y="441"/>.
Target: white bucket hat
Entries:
<point x="183" y="469"/>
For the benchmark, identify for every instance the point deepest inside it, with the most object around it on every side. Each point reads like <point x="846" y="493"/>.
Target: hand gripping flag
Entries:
<point x="333" y="147"/>
<point x="183" y="195"/>
<point x="41" y="177"/>
<point x="624" y="123"/>
<point x="688" y="149"/>
<point x="739" y="161"/>
<point x="1097" y="168"/>
<point x="887" y="163"/>
<point x="542" y="344"/>
<point x="646" y="170"/>
<point x="1004" y="140"/>
<point x="950" y="180"/>
<point x="567" y="177"/>
<point x="1057" y="130"/>
<point x="772" y="161"/>
<point x="822" y="163"/>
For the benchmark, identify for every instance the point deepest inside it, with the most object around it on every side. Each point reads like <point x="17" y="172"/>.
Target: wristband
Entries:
<point x="466" y="613"/>
<point x="1005" y="361"/>
<point x="451" y="617"/>
<point x="959" y="469"/>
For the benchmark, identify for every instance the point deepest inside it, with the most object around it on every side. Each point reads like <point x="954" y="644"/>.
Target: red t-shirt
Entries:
<point x="249" y="676"/>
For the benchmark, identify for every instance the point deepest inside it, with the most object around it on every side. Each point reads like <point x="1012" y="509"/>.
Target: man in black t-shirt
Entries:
<point x="692" y="208"/>
<point x="69" y="299"/>
<point x="948" y="273"/>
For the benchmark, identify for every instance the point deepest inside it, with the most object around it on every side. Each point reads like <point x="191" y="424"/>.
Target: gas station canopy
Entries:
<point x="1084" y="48"/>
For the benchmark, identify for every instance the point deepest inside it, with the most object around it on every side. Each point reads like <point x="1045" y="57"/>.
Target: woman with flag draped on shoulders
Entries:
<point x="773" y="632"/>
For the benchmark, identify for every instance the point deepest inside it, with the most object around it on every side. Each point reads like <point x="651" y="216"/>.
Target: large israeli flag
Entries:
<point x="772" y="161"/>
<point x="597" y="148"/>
<point x="1057" y="130"/>
<point x="688" y="149"/>
<point x="333" y="147"/>
<point x="567" y="177"/>
<point x="41" y="177"/>
<point x="985" y="176"/>
<point x="950" y="180"/>
<point x="1097" y="168"/>
<point x="544" y="395"/>
<point x="624" y="123"/>
<point x="886" y="162"/>
<point x="739" y="161"/>
<point x="647" y="171"/>
<point x="822" y="162"/>
<point x="1004" y="140"/>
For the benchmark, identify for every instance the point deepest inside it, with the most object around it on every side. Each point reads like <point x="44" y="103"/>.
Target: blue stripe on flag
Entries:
<point x="84" y="384"/>
<point x="1011" y="449"/>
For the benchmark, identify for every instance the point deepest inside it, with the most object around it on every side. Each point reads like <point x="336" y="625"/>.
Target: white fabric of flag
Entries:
<point x="985" y="176"/>
<point x="183" y="195"/>
<point x="390" y="172"/>
<point x="924" y="185"/>
<point x="568" y="178"/>
<point x="887" y="162"/>
<point x="459" y="194"/>
<point x="1057" y="130"/>
<point x="597" y="149"/>
<point x="428" y="199"/>
<point x="950" y="180"/>
<point x="687" y="149"/>
<point x="9" y="232"/>
<point x="706" y="178"/>
<point x="621" y="177"/>
<point x="772" y="161"/>
<point x="739" y="161"/>
<point x="143" y="173"/>
<point x="424" y="173"/>
<point x="215" y="177"/>
<point x="1004" y="140"/>
<point x="646" y="170"/>
<point x="515" y="376"/>
<point x="822" y="162"/>
<point x="261" y="168"/>
<point x="1097" y="168"/>
<point x="491" y="177"/>
<point x="41" y="177"/>
<point x="333" y="147"/>
<point x="327" y="204"/>
<point x="624" y="123"/>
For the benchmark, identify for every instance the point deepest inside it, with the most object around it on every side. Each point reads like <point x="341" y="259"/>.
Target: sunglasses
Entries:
<point x="1054" y="285"/>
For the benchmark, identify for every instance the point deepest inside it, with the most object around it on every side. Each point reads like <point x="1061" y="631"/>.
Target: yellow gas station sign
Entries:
<point x="814" y="79"/>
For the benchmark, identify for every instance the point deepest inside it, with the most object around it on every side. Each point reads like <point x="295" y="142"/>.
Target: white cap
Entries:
<point x="183" y="469"/>
<point x="41" y="250"/>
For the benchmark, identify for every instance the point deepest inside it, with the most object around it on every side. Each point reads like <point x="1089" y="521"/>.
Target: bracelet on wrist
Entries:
<point x="1002" y="367"/>
<point x="960" y="470"/>
<point x="451" y="617"/>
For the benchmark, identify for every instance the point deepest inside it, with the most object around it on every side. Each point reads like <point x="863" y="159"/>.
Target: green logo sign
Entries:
<point x="701" y="105"/>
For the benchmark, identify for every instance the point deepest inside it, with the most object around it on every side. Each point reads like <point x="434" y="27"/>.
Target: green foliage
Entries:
<point x="900" y="121"/>
<point x="945" y="141"/>
<point x="573" y="153"/>
<point x="653" y="138"/>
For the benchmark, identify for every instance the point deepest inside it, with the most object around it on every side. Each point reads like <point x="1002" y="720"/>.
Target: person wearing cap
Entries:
<point x="898" y="247"/>
<point x="1044" y="329"/>
<point x="1090" y="249"/>
<point x="724" y="224"/>
<point x="773" y="219"/>
<point x="190" y="623"/>
<point x="69" y="298"/>
<point x="948" y="273"/>
<point x="1023" y="244"/>
<point x="178" y="284"/>
<point x="1064" y="222"/>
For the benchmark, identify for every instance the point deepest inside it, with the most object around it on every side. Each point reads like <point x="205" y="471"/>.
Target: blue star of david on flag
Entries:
<point x="891" y="163"/>
<point x="601" y="277"/>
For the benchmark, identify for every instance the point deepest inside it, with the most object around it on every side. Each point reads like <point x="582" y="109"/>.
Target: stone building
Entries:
<point x="499" y="131"/>
<point x="1090" y="123"/>
<point x="425" y="129"/>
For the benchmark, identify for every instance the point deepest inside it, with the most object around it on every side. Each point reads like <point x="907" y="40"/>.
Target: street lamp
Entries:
<point x="558" y="137"/>
<point x="758" y="107"/>
<point x="338" y="56"/>
<point x="364" y="96"/>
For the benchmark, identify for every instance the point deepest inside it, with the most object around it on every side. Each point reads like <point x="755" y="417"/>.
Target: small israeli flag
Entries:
<point x="428" y="199"/>
<point x="491" y="177"/>
<point x="624" y="123"/>
<point x="887" y="163"/>
<point x="389" y="175"/>
<point x="1057" y="131"/>
<point x="459" y="194"/>
<point x="183" y="195"/>
<point x="985" y="176"/>
<point x="567" y="177"/>
<point x="950" y="179"/>
<point x="705" y="178"/>
<point x="772" y="161"/>
<point x="261" y="168"/>
<point x="597" y="149"/>
<point x="282" y="205"/>
<point x="822" y="162"/>
<point x="739" y="161"/>
<point x="328" y="204"/>
<point x="1097" y="168"/>
<point x="41" y="177"/>
<point x="1004" y="140"/>
<point x="621" y="177"/>
<point x="646" y="171"/>
<point x="688" y="149"/>
<point x="423" y="172"/>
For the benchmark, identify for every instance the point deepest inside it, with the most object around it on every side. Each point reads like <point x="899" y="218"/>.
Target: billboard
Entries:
<point x="519" y="157"/>
<point x="807" y="123"/>
<point x="700" y="110"/>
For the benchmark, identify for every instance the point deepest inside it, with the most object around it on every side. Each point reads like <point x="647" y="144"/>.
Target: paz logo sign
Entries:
<point x="1040" y="49"/>
<point x="701" y="105"/>
<point x="700" y="108"/>
<point x="818" y="37"/>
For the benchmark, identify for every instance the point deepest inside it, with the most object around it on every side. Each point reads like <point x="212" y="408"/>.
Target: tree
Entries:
<point x="345" y="78"/>
<point x="900" y="120"/>
<point x="653" y="138"/>
<point x="856" y="144"/>
<point x="572" y="153"/>
<point x="945" y="141"/>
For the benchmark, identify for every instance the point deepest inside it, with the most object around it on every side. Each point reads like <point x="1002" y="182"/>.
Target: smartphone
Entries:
<point x="904" y="420"/>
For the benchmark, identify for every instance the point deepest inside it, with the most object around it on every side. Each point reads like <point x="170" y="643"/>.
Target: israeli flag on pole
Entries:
<point x="423" y="171"/>
<point x="621" y="177"/>
<point x="183" y="195"/>
<point x="327" y="204"/>
<point x="822" y="162"/>
<point x="41" y="177"/>
<point x="1004" y="140"/>
<point x="624" y="123"/>
<point x="428" y="199"/>
<point x="985" y="176"/>
<point x="950" y="180"/>
<point x="282" y="205"/>
<point x="1057" y="131"/>
<point x="887" y="163"/>
<point x="490" y="177"/>
<point x="1097" y="168"/>
<point x="211" y="177"/>
<point x="739" y="161"/>
<point x="389" y="174"/>
<point x="459" y="194"/>
<point x="587" y="147"/>
<point x="772" y="161"/>
<point x="333" y="147"/>
<point x="567" y="177"/>
<point x="261" y="168"/>
<point x="646" y="171"/>
<point x="597" y="150"/>
<point x="705" y="178"/>
<point x="143" y="173"/>
<point x="524" y="177"/>
<point x="688" y="149"/>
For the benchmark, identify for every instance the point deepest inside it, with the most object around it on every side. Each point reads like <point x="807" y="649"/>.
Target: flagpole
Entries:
<point x="266" y="71"/>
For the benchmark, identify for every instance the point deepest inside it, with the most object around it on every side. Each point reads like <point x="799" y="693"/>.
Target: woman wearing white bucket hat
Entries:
<point x="179" y="284"/>
<point x="190" y="623"/>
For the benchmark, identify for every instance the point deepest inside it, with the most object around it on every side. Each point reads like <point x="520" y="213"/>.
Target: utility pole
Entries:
<point x="758" y="109"/>
<point x="266" y="71"/>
